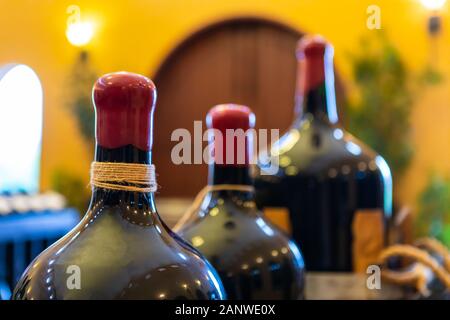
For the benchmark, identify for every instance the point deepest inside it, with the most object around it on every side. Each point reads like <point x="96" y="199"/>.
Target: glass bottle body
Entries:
<point x="254" y="259"/>
<point x="335" y="190"/>
<point x="121" y="249"/>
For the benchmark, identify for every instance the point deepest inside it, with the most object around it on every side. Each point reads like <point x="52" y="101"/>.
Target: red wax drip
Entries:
<point x="124" y="104"/>
<point x="232" y="116"/>
<point x="311" y="62"/>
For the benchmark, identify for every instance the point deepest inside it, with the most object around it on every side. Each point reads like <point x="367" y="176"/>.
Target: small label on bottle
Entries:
<point x="368" y="238"/>
<point x="279" y="216"/>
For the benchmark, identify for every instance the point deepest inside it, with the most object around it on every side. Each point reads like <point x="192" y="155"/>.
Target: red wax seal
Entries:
<point x="232" y="138"/>
<point x="311" y="56"/>
<point x="124" y="104"/>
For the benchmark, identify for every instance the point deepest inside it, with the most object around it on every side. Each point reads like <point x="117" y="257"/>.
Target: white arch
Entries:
<point x="21" y="111"/>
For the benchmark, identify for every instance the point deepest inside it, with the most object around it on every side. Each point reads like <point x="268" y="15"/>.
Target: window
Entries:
<point x="21" y="100"/>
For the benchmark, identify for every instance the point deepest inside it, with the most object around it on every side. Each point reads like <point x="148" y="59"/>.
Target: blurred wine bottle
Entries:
<point x="254" y="259"/>
<point x="331" y="191"/>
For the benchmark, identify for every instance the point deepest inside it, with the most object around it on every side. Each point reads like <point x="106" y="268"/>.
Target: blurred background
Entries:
<point x="393" y="87"/>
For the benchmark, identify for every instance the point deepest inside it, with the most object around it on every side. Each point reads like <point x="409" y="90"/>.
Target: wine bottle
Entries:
<point x="253" y="258"/>
<point x="334" y="192"/>
<point x="121" y="249"/>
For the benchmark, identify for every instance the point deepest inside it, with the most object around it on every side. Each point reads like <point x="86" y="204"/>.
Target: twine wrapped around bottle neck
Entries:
<point x="134" y="177"/>
<point x="193" y="208"/>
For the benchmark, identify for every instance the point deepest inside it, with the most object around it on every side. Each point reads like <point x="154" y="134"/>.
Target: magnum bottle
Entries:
<point x="254" y="259"/>
<point x="334" y="192"/>
<point x="121" y="249"/>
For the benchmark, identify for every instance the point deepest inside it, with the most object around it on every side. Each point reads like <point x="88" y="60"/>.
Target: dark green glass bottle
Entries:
<point x="335" y="191"/>
<point x="121" y="249"/>
<point x="254" y="259"/>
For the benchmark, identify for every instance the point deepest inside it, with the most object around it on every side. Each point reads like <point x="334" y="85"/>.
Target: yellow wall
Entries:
<point x="136" y="35"/>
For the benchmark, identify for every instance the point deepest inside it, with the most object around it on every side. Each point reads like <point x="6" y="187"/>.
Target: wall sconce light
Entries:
<point x="433" y="4"/>
<point x="434" y="21"/>
<point x="79" y="33"/>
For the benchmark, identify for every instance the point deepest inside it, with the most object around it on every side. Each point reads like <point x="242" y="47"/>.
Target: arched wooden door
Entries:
<point x="245" y="61"/>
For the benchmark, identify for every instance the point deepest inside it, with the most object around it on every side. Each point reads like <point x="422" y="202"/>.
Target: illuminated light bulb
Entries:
<point x="80" y="33"/>
<point x="433" y="4"/>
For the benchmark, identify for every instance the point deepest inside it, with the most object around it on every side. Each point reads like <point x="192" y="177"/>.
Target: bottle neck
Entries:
<point x="315" y="92"/>
<point x="126" y="154"/>
<point x="229" y="174"/>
